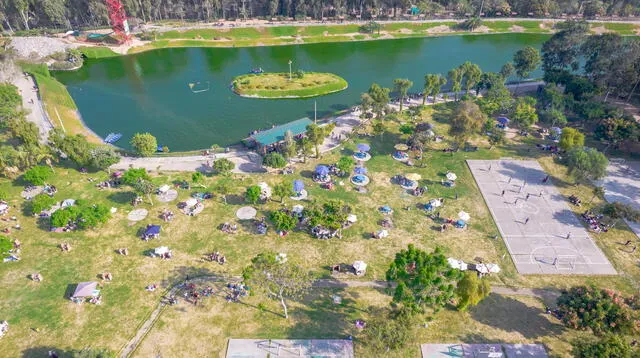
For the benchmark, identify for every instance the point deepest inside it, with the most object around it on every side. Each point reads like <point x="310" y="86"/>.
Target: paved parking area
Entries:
<point x="623" y="184"/>
<point x="542" y="234"/>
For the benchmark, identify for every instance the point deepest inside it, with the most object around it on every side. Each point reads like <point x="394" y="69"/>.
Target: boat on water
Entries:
<point x="256" y="71"/>
<point x="112" y="138"/>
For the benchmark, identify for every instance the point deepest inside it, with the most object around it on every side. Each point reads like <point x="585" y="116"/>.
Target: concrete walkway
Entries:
<point x="543" y="294"/>
<point x="32" y="104"/>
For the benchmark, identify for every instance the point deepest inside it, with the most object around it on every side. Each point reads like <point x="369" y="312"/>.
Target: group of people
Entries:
<point x="167" y="215"/>
<point x="193" y="295"/>
<point x="321" y="232"/>
<point x="236" y="290"/>
<point x="261" y="226"/>
<point x="217" y="257"/>
<point x="229" y="228"/>
<point x="575" y="200"/>
<point x="594" y="221"/>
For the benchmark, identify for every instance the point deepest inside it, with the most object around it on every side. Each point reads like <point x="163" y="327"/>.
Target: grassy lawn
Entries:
<point x="278" y="85"/>
<point x="60" y="107"/>
<point x="41" y="318"/>
<point x="97" y="52"/>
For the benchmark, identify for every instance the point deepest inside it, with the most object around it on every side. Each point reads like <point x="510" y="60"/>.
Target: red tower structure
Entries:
<point x="118" y="20"/>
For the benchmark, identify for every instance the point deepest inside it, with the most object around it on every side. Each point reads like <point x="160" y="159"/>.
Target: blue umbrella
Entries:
<point x="503" y="120"/>
<point x="363" y="147"/>
<point x="461" y="223"/>
<point x="386" y="209"/>
<point x="322" y="170"/>
<point x="360" y="170"/>
<point x="298" y="186"/>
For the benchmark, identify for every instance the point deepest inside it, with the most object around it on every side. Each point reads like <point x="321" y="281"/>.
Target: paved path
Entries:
<point x="31" y="102"/>
<point x="146" y="326"/>
<point x="622" y="184"/>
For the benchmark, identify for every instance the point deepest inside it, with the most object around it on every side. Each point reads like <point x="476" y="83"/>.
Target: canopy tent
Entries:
<point x="413" y="176"/>
<point x="360" y="267"/>
<point x="463" y="215"/>
<point x="363" y="147"/>
<point x="322" y="170"/>
<point x="86" y="289"/>
<point x="352" y="218"/>
<point x="191" y="202"/>
<point x="360" y="170"/>
<point x="457" y="264"/>
<point x="265" y="190"/>
<point x="382" y="234"/>
<point x="487" y="268"/>
<point x="161" y="250"/>
<point x="452" y="176"/>
<point x="297" y="209"/>
<point x="436" y="203"/>
<point x="503" y="120"/>
<point x="298" y="186"/>
<point x="401" y="146"/>
<point x="152" y="230"/>
<point x="163" y="189"/>
<point x="68" y="202"/>
<point x="246" y="213"/>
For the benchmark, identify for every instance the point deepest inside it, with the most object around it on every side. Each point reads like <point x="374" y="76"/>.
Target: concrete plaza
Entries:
<point x="623" y="184"/>
<point x="542" y="234"/>
<point x="263" y="348"/>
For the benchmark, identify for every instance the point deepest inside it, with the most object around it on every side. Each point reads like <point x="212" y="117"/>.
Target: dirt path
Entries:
<point x="146" y="326"/>
<point x="31" y="102"/>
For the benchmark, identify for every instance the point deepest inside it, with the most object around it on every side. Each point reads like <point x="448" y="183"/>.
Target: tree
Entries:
<point x="586" y="163"/>
<point x="5" y="246"/>
<point x="467" y="120"/>
<point x="38" y="175"/>
<point x="598" y="192"/>
<point x="526" y="61"/>
<point x="471" y="290"/>
<point x="274" y="160"/>
<point x="497" y="137"/>
<point x="26" y="131"/>
<point x="197" y="177"/>
<point x="609" y="346"/>
<point x="366" y="103"/>
<point x="133" y="175"/>
<point x="380" y="99"/>
<point x="378" y="128"/>
<point x="282" y="190"/>
<point x="524" y="115"/>
<point x="423" y="279"/>
<point x="316" y="135"/>
<point x="41" y="202"/>
<point x="562" y="51"/>
<point x="92" y="216"/>
<point x="554" y="117"/>
<point x="401" y="86"/>
<point x="252" y="195"/>
<point x="346" y="164"/>
<point x="614" y="131"/>
<point x="455" y="77"/>
<point x="305" y="147"/>
<point x="432" y="86"/>
<point x="283" y="221"/>
<point x="144" y="143"/>
<point x="10" y="101"/>
<point x="388" y="331"/>
<point x="223" y="188"/>
<point x="618" y="210"/>
<point x="600" y="310"/>
<point x="145" y="187"/>
<point x="570" y="138"/>
<point x="102" y="157"/>
<point x="223" y="166"/>
<point x="472" y="75"/>
<point x="289" y="147"/>
<point x="507" y="71"/>
<point x="280" y="279"/>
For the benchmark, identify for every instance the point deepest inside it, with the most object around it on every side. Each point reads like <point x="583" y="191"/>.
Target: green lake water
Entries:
<point x="149" y="92"/>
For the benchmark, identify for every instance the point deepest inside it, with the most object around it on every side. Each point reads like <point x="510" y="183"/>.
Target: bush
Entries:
<point x="41" y="202"/>
<point x="283" y="221"/>
<point x="133" y="175"/>
<point x="346" y="164"/>
<point x="38" y="175"/>
<point x="274" y="160"/>
<point x="84" y="216"/>
<point x="471" y="290"/>
<point x="197" y="177"/>
<point x="144" y="143"/>
<point x="223" y="166"/>
<point x="253" y="194"/>
<point x="5" y="246"/>
<point x="611" y="346"/>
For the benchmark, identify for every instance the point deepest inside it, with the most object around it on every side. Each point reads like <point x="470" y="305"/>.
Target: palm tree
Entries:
<point x="456" y="81"/>
<point x="402" y="85"/>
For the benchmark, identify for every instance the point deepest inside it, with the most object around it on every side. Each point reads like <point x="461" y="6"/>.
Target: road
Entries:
<point x="32" y="104"/>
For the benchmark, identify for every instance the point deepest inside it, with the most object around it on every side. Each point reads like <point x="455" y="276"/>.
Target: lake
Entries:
<point x="151" y="92"/>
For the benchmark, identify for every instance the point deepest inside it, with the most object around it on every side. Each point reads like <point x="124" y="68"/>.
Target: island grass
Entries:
<point x="97" y="52"/>
<point x="278" y="85"/>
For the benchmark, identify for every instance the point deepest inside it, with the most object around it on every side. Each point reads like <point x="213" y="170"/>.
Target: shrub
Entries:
<point x="144" y="143"/>
<point x="41" y="202"/>
<point x="283" y="221"/>
<point x="38" y="175"/>
<point x="274" y="160"/>
<point x="133" y="175"/>
<point x="5" y="246"/>
<point x="253" y="194"/>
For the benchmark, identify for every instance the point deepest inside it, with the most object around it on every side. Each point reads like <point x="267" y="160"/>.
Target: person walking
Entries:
<point x="526" y="221"/>
<point x="502" y="194"/>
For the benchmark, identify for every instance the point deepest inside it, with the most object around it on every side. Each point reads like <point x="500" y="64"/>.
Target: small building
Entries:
<point x="269" y="140"/>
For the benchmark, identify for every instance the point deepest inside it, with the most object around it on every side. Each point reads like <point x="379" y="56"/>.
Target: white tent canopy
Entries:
<point x="463" y="215"/>
<point x="191" y="202"/>
<point x="68" y="202"/>
<point x="457" y="264"/>
<point x="352" y="218"/>
<point x="359" y="266"/>
<point x="161" y="250"/>
<point x="452" y="176"/>
<point x="163" y="189"/>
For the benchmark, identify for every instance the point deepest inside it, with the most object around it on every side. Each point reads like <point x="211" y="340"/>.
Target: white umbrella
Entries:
<point x="493" y="268"/>
<point x="452" y="176"/>
<point x="163" y="189"/>
<point x="68" y="202"/>
<point x="161" y="250"/>
<point x="457" y="264"/>
<point x="463" y="215"/>
<point x="359" y="266"/>
<point x="297" y="209"/>
<point x="352" y="218"/>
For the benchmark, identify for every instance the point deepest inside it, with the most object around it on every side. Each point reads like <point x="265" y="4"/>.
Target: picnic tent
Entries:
<point x="86" y="289"/>
<point x="463" y="215"/>
<point x="152" y="231"/>
<point x="322" y="170"/>
<point x="68" y="202"/>
<point x="457" y="264"/>
<point x="298" y="186"/>
<point x="452" y="176"/>
<point x="503" y="120"/>
<point x="360" y="267"/>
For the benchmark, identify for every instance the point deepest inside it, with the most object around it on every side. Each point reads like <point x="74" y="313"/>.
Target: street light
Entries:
<point x="290" y="62"/>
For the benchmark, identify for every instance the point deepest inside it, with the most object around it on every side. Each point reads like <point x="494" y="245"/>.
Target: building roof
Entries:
<point x="276" y="134"/>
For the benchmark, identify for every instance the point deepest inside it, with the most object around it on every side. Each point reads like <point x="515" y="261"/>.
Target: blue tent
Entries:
<point x="363" y="147"/>
<point x="298" y="186"/>
<point x="152" y="230"/>
<point x="322" y="170"/>
<point x="386" y="209"/>
<point x="360" y="170"/>
<point x="503" y="120"/>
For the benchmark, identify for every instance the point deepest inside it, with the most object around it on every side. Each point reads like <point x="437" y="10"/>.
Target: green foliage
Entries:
<point x="402" y="86"/>
<point x="600" y="310"/>
<point x="145" y="144"/>
<point x="145" y="187"/>
<point x="41" y="202"/>
<point x="283" y="221"/>
<point x="524" y="115"/>
<point x="526" y="61"/>
<point x="197" y="177"/>
<point x="316" y="135"/>
<point x="102" y="157"/>
<point x="497" y="137"/>
<point x="5" y="246"/>
<point x="331" y="214"/>
<point x="423" y="279"/>
<point x="379" y="99"/>
<point x="433" y="85"/>
<point x="274" y="160"/>
<point x="26" y="131"/>
<point x="63" y="217"/>
<point x="610" y="346"/>
<point x="370" y="27"/>
<point x="134" y="175"/>
<point x="388" y="331"/>
<point x="305" y="147"/>
<point x="10" y="100"/>
<point x="223" y="166"/>
<point x="586" y="163"/>
<point x="553" y="117"/>
<point x="472" y="75"/>
<point x="346" y="164"/>
<point x="467" y="120"/>
<point x="252" y="195"/>
<point x="378" y="128"/>
<point x="282" y="190"/>
<point x="85" y="216"/>
<point x="407" y="128"/>
<point x="471" y="290"/>
<point x="618" y="210"/>
<point x="4" y="195"/>
<point x="455" y="77"/>
<point x="470" y="24"/>
<point x="38" y="175"/>
<point x="571" y="137"/>
<point x="614" y="131"/>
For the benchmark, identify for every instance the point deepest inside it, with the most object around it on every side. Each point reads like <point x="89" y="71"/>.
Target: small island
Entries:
<point x="278" y="85"/>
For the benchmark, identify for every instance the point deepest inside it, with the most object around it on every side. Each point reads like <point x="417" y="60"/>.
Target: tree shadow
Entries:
<point x="511" y="315"/>
<point x="43" y="351"/>
<point x="122" y="197"/>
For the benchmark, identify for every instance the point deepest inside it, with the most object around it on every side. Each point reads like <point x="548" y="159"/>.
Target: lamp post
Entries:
<point x="290" y="62"/>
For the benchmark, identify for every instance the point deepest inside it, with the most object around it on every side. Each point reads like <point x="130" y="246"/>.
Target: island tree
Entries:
<point x="618" y="210"/>
<point x="304" y="147"/>
<point x="279" y="279"/>
<point x="524" y="114"/>
<point x="423" y="279"/>
<point x="317" y="134"/>
<point x="133" y="175"/>
<point x="507" y="71"/>
<point x="455" y="76"/>
<point x="345" y="164"/>
<point x="145" y="144"/>
<point x="223" y="188"/>
<point x="402" y="86"/>
<point x="471" y="74"/>
<point x="274" y="160"/>
<point x="471" y="290"/>
<point x="145" y="187"/>
<point x="38" y="175"/>
<point x="380" y="99"/>
<point x="609" y="346"/>
<point x="252" y="195"/>
<point x="283" y="221"/>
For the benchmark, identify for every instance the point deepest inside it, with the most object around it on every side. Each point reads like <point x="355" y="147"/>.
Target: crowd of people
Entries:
<point x="217" y="257"/>
<point x="595" y="221"/>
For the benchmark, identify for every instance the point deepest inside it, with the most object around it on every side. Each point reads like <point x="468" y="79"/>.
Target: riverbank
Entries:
<point x="283" y="85"/>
